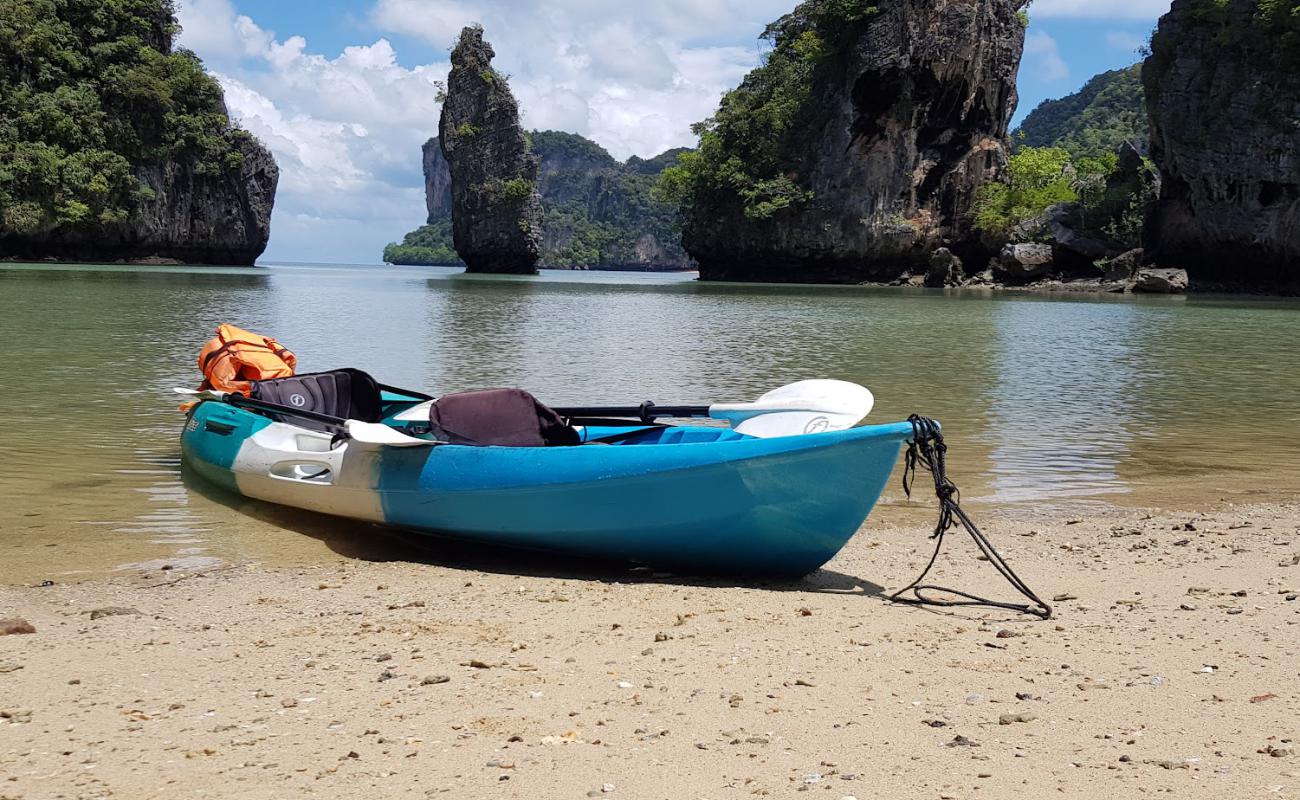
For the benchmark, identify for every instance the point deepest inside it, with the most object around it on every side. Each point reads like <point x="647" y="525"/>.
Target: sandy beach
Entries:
<point x="1170" y="669"/>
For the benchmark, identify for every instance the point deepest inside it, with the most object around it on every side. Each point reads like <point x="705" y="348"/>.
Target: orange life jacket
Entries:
<point x="235" y="357"/>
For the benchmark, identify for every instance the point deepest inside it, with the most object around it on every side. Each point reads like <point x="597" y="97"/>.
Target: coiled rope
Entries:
<point x="927" y="450"/>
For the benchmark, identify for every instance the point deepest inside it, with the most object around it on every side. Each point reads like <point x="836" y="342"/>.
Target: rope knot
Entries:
<point x="927" y="450"/>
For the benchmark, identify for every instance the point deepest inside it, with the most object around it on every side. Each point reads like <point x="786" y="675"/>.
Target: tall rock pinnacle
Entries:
<point x="496" y="211"/>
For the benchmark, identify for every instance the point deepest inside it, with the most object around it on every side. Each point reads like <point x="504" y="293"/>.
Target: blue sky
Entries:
<point x="343" y="91"/>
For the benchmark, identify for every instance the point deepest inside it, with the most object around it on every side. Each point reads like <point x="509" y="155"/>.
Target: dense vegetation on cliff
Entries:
<point x="599" y="212"/>
<point x="596" y="211"/>
<point x="1093" y="122"/>
<point x="89" y="92"/>
<point x="754" y="148"/>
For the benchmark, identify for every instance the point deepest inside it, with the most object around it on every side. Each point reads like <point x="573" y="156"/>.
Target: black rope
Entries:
<point x="927" y="450"/>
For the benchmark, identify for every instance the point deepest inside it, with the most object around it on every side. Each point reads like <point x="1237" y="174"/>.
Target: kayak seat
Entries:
<point x="500" y="418"/>
<point x="345" y="393"/>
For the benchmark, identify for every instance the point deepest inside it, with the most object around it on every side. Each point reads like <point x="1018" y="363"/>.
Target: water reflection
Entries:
<point x="1062" y="416"/>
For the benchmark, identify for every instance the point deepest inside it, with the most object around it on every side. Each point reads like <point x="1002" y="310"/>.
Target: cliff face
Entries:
<point x="1223" y="92"/>
<point x="192" y="217"/>
<point x="160" y="174"/>
<point x="497" y="213"/>
<point x="597" y="213"/>
<point x="905" y="118"/>
<point x="437" y="182"/>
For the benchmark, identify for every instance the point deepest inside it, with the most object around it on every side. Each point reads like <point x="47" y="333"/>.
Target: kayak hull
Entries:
<point x="712" y="501"/>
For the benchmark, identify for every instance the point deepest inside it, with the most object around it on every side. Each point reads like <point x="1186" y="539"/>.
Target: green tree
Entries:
<point x="90" y="91"/>
<point x="1037" y="177"/>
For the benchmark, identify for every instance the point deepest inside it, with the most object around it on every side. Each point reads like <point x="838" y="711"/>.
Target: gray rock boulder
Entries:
<point x="1124" y="266"/>
<point x="497" y="212"/>
<point x="1152" y="280"/>
<point x="945" y="269"/>
<point x="1021" y="263"/>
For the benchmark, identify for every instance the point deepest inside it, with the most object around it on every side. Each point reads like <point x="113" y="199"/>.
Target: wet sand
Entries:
<point x="1171" y="670"/>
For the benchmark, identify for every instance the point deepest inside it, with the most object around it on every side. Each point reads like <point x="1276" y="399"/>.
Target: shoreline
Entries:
<point x="1081" y="287"/>
<point x="521" y="676"/>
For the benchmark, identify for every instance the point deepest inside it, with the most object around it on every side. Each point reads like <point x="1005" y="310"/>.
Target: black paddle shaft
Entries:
<point x="645" y="412"/>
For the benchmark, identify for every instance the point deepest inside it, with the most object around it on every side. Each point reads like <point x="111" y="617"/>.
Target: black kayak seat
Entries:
<point x="345" y="393"/>
<point x="500" y="418"/>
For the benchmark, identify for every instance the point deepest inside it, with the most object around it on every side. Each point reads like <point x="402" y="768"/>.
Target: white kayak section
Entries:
<point x="296" y="467"/>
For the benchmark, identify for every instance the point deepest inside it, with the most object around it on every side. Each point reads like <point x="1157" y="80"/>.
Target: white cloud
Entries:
<point x="1044" y="57"/>
<point x="1099" y="9"/>
<point x="213" y="29"/>
<point x="346" y="129"/>
<point x="633" y="77"/>
<point x="1123" y="40"/>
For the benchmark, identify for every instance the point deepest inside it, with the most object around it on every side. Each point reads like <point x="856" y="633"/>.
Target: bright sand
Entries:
<point x="1173" y="671"/>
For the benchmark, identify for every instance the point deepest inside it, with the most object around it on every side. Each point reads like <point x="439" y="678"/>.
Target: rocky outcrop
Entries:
<point x="907" y="116"/>
<point x="136" y="159"/>
<point x="1223" y="92"/>
<point x="1083" y="236"/>
<point x="587" y="196"/>
<point x="497" y="212"/>
<point x="437" y="182"/>
<point x="193" y="217"/>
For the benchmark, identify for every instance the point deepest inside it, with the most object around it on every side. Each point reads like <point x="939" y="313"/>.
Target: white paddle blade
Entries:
<point x="377" y="433"/>
<point x="814" y="406"/>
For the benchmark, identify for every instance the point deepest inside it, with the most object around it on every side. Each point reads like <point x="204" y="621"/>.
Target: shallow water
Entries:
<point x="1057" y="401"/>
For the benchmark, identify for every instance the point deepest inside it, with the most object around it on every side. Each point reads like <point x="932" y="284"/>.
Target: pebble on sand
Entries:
<point x="13" y="625"/>
<point x="113" y="611"/>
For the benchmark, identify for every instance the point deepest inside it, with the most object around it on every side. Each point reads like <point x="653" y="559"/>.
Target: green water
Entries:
<point x="1046" y="401"/>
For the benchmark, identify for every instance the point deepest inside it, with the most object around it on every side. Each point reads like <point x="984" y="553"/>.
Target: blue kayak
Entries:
<point x="694" y="498"/>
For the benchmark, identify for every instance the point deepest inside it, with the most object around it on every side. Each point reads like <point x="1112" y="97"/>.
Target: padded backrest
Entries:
<point x="346" y="393"/>
<point x="500" y="417"/>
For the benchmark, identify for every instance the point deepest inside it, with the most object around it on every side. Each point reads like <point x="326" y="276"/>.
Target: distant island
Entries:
<point x="597" y="212"/>
<point x="114" y="146"/>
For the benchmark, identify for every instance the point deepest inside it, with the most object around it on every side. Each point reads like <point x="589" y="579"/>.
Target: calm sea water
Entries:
<point x="1046" y="401"/>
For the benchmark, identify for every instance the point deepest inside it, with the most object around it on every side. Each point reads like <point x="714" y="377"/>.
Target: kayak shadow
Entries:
<point x="458" y="554"/>
<point x="365" y="541"/>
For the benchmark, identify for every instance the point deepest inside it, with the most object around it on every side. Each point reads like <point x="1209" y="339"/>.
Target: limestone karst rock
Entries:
<point x="904" y="116"/>
<point x="1223" y="92"/>
<point x="497" y="212"/>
